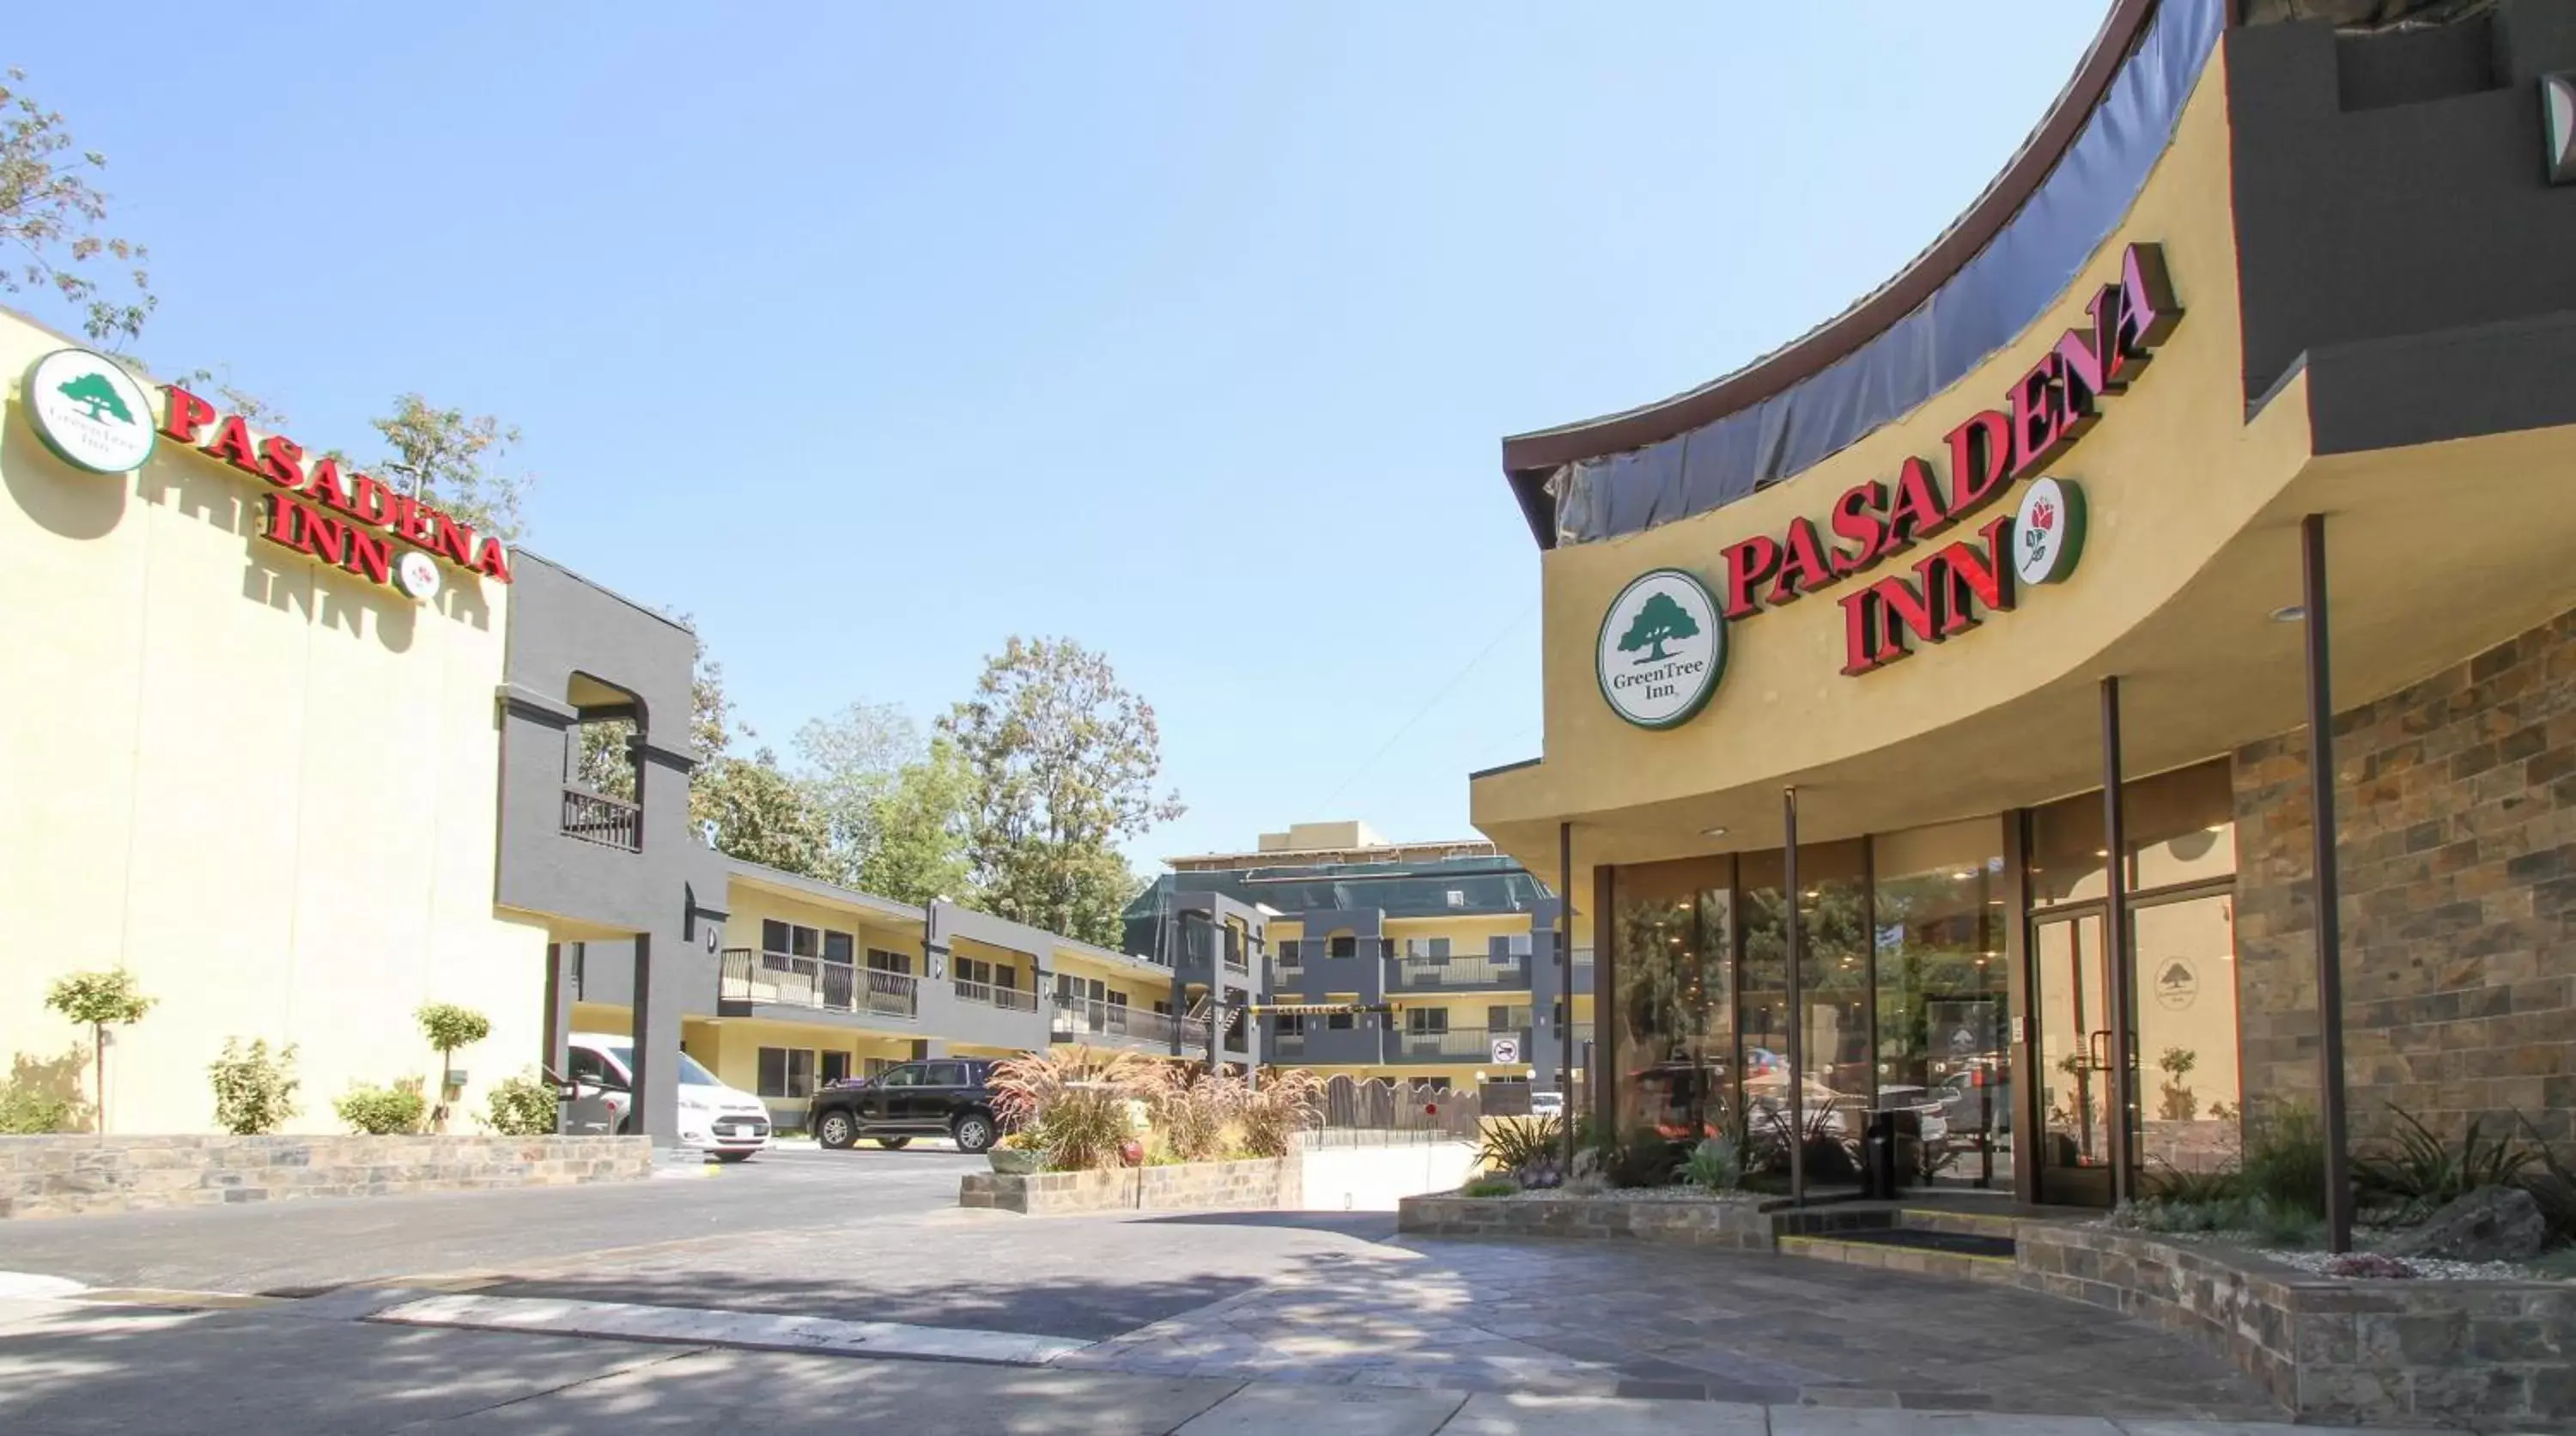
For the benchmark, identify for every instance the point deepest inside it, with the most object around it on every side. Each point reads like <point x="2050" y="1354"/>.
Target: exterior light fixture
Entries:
<point x="2558" y="125"/>
<point x="2290" y="613"/>
<point x="1712" y="832"/>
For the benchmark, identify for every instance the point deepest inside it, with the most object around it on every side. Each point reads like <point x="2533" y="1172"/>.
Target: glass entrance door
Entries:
<point x="2071" y="987"/>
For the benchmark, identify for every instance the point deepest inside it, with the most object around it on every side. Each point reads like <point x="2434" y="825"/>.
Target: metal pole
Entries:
<point x="1565" y="981"/>
<point x="2321" y="815"/>
<point x="2120" y="1000"/>
<point x="1797" y="1002"/>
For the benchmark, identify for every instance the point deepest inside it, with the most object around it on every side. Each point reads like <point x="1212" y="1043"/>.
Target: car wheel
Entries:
<point x="974" y="1133"/>
<point x="838" y="1130"/>
<point x="894" y="1144"/>
<point x="733" y="1156"/>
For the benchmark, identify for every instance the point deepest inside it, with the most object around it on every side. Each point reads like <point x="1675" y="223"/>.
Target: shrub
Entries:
<point x="26" y="1112"/>
<point x="254" y="1090"/>
<point x="2418" y="1172"/>
<point x="99" y="1000"/>
<point x="1072" y="1102"/>
<point x="1715" y="1165"/>
<point x="1490" y="1187"/>
<point x="1192" y="1109"/>
<point x="1521" y="1144"/>
<point x="1278" y="1110"/>
<point x="2173" y="1184"/>
<point x="522" y="1106"/>
<point x="383" y="1111"/>
<point x="1646" y="1158"/>
<point x="1831" y="1153"/>
<point x="2285" y="1159"/>
<point x="2552" y="1185"/>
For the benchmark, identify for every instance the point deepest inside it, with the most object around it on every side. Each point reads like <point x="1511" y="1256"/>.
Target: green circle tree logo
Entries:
<point x="89" y="411"/>
<point x="1661" y="649"/>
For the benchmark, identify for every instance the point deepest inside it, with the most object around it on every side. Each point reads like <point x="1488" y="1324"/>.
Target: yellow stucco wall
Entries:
<point x="266" y="787"/>
<point x="752" y="904"/>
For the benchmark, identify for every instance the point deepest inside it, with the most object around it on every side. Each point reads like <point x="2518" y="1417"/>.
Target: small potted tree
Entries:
<point x="449" y="1027"/>
<point x="99" y="1000"/>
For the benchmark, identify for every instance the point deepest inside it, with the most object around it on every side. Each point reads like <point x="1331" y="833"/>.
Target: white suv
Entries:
<point x="726" y="1122"/>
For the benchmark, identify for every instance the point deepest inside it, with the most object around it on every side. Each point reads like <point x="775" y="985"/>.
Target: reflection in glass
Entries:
<point x="1834" y="978"/>
<point x="1943" y="997"/>
<point x="1673" y="1037"/>
<point x="2186" y="965"/>
<point x="2073" y="998"/>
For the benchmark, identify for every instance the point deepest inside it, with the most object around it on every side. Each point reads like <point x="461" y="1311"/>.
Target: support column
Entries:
<point x="657" y="1046"/>
<point x="560" y="986"/>
<point x="2329" y="895"/>
<point x="2122" y="997"/>
<point x="1565" y="980"/>
<point x="1797" y="1134"/>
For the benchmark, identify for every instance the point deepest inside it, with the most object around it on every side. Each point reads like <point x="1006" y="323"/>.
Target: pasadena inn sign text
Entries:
<point x="94" y="415"/>
<point x="1668" y="622"/>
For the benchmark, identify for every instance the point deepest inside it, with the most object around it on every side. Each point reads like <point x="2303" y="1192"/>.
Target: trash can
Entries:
<point x="1878" y="1158"/>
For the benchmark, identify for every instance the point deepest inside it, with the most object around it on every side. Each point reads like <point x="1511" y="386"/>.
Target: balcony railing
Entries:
<point x="599" y="818"/>
<point x="1416" y="973"/>
<point x="1010" y="999"/>
<point x="1464" y="1042"/>
<point x="1082" y="1020"/>
<point x="789" y="981"/>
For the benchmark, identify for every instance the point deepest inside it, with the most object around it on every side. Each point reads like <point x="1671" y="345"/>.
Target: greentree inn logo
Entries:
<point x="89" y="411"/>
<point x="1661" y="649"/>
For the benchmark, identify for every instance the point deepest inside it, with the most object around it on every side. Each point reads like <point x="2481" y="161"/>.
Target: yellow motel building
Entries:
<point x="299" y="752"/>
<point x="2116" y="677"/>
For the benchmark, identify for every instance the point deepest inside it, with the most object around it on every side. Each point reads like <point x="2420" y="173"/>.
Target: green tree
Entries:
<point x="449" y="460"/>
<point x="99" y="1000"/>
<point x="449" y="1027"/>
<point x="919" y="830"/>
<point x="756" y="812"/>
<point x="94" y="393"/>
<point x="52" y="218"/>
<point x="1658" y="623"/>
<point x="1064" y="762"/>
<point x="851" y="762"/>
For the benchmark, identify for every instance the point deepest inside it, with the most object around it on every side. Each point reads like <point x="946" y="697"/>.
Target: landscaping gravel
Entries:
<point x="2423" y="1268"/>
<point x="1631" y="1194"/>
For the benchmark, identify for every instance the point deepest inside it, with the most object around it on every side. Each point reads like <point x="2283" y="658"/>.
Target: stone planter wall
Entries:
<point x="1742" y="1226"/>
<point x="79" y="1175"/>
<point x="1261" y="1185"/>
<point x="2405" y="1353"/>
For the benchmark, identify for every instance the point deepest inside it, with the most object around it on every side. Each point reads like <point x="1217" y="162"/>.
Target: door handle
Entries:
<point x="2100" y="1042"/>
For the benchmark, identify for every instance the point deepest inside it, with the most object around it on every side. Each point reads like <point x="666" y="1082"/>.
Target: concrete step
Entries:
<point x="1962" y="1256"/>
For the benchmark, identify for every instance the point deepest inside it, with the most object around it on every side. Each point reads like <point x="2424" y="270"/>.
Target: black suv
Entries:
<point x="938" y="1097"/>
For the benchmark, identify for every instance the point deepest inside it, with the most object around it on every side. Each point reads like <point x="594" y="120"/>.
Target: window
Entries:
<point x="1498" y="1019"/>
<point x="880" y="960"/>
<point x="1288" y="955"/>
<point x="873" y="1068"/>
<point x="944" y="1074"/>
<point x="908" y="1075"/>
<point x="1164" y="1008"/>
<point x="1426" y="1019"/>
<point x="587" y="1067"/>
<point x="1118" y="999"/>
<point x="836" y="1066"/>
<point x="1437" y="1084"/>
<point x="1292" y="1024"/>
<point x="974" y="969"/>
<point x="1345" y="946"/>
<point x="786" y="1071"/>
<point x="837" y="946"/>
<point x="1006" y="978"/>
<point x="1337" y="1022"/>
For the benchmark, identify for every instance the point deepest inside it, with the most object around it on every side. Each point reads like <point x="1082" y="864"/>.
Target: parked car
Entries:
<point x="1925" y="1103"/>
<point x="1978" y="1100"/>
<point x="939" y="1097"/>
<point x="1547" y="1104"/>
<point x="726" y="1122"/>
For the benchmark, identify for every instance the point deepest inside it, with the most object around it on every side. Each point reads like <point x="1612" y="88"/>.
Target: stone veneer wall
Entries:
<point x="1262" y="1184"/>
<point x="80" y="1175"/>
<point x="2409" y="1353"/>
<point x="1742" y="1226"/>
<point x="2456" y="804"/>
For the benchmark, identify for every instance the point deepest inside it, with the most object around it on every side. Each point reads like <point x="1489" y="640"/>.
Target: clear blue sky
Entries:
<point x="870" y="335"/>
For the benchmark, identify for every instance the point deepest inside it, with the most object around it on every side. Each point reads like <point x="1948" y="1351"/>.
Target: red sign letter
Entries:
<point x="1980" y="462"/>
<point x="1856" y="518"/>
<point x="185" y="415"/>
<point x="1747" y="564"/>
